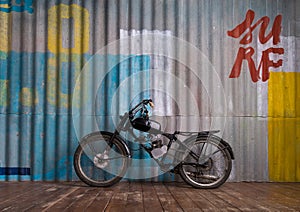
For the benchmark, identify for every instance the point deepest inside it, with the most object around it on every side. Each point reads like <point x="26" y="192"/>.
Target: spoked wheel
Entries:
<point x="98" y="163"/>
<point x="207" y="165"/>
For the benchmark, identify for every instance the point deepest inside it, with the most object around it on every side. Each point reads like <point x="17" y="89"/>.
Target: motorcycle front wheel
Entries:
<point x="99" y="162"/>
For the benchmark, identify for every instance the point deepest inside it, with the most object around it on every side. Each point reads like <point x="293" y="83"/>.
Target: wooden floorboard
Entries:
<point x="150" y="199"/>
<point x="134" y="197"/>
<point x="148" y="196"/>
<point x="168" y="202"/>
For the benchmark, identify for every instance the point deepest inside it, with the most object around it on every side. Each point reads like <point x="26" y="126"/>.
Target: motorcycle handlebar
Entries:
<point x="144" y="102"/>
<point x="147" y="101"/>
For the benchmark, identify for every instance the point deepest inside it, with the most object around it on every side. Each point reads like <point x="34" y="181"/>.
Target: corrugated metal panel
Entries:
<point x="45" y="45"/>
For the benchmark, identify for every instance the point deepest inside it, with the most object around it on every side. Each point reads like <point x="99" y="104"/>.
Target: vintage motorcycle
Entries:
<point x="203" y="159"/>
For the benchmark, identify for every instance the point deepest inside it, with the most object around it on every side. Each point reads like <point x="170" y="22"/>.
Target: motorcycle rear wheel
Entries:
<point x="210" y="168"/>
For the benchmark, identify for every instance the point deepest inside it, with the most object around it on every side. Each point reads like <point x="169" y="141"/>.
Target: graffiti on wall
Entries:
<point x="247" y="53"/>
<point x="55" y="72"/>
<point x="33" y="80"/>
<point x="59" y="57"/>
<point x="61" y="53"/>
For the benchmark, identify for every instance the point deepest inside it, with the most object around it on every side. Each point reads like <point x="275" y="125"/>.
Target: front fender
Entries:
<point x="120" y="140"/>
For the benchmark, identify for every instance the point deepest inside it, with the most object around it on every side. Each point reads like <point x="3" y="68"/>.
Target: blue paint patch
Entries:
<point x="30" y="70"/>
<point x="125" y="69"/>
<point x="14" y="171"/>
<point x="8" y="6"/>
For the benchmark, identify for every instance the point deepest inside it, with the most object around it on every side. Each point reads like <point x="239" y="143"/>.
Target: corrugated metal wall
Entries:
<point x="186" y="67"/>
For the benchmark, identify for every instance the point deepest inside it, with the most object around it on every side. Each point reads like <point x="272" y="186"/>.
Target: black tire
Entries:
<point x="204" y="172"/>
<point x="92" y="164"/>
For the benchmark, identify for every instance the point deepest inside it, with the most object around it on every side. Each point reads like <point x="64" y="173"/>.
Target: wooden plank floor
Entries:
<point x="147" y="196"/>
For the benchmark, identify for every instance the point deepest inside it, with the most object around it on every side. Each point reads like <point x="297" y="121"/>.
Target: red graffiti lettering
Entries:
<point x="247" y="27"/>
<point x="265" y="63"/>
<point x="264" y="21"/>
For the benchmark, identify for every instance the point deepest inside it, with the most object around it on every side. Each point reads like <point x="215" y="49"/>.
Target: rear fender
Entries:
<point x="210" y="135"/>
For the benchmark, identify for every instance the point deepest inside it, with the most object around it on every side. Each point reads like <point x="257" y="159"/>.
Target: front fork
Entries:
<point x="120" y="127"/>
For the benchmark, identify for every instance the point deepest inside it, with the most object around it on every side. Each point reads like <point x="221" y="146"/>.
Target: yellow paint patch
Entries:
<point x="5" y="31"/>
<point x="81" y="27"/>
<point x="5" y="6"/>
<point x="27" y="97"/>
<point x="55" y="96"/>
<point x="284" y="126"/>
<point x="3" y="92"/>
